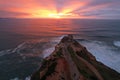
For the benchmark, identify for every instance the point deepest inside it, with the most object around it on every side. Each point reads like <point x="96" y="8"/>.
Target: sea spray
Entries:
<point x="116" y="43"/>
<point x="51" y="48"/>
<point x="104" y="53"/>
<point x="16" y="78"/>
<point x="47" y="52"/>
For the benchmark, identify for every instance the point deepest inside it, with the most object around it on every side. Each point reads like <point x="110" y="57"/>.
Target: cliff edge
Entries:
<point x="71" y="61"/>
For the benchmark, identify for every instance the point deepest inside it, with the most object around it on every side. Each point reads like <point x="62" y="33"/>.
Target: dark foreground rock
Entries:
<point x="72" y="61"/>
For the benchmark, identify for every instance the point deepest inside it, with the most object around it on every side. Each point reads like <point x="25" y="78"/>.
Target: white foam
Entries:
<point x="51" y="48"/>
<point x="4" y="52"/>
<point x="47" y="52"/>
<point x="18" y="47"/>
<point x="57" y="39"/>
<point x="9" y="51"/>
<point x="16" y="78"/>
<point x="27" y="78"/>
<point x="104" y="53"/>
<point x="116" y="43"/>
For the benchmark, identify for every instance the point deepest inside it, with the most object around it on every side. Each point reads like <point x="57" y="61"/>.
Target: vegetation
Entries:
<point x="85" y="63"/>
<point x="81" y="66"/>
<point x="106" y="72"/>
<point x="51" y="70"/>
<point x="58" y="53"/>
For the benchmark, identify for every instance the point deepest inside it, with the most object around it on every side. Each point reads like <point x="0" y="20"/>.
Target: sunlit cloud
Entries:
<point x="60" y="8"/>
<point x="13" y="14"/>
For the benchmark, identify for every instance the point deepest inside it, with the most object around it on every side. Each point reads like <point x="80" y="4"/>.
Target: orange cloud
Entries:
<point x="51" y="8"/>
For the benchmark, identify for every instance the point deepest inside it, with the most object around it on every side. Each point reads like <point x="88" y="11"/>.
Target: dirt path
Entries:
<point x="90" y="66"/>
<point x="64" y="65"/>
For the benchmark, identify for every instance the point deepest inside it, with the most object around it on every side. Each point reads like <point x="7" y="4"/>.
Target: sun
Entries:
<point x="60" y="15"/>
<point x="55" y="16"/>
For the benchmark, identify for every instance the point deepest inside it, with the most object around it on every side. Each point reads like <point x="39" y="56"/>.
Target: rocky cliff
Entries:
<point x="72" y="61"/>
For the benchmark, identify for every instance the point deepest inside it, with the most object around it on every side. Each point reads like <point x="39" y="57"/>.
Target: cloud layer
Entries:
<point x="103" y="9"/>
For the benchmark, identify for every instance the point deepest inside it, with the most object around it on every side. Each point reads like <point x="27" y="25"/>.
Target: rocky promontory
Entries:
<point x="71" y="61"/>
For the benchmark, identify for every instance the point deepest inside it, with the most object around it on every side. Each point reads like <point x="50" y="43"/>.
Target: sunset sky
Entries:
<point x="99" y="9"/>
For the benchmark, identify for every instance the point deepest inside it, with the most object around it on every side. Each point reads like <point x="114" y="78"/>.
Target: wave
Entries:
<point x="116" y="43"/>
<point x="28" y="49"/>
<point x="14" y="50"/>
<point x="57" y="39"/>
<point x="102" y="36"/>
<point x="40" y="48"/>
<point x="49" y="50"/>
<point x="4" y="52"/>
<point x="104" y="53"/>
<point x="18" y="47"/>
<point x="16" y="78"/>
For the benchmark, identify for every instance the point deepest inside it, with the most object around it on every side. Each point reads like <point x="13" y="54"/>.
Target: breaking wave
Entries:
<point x="49" y="50"/>
<point x="116" y="43"/>
<point x="16" y="78"/>
<point x="5" y="52"/>
<point x="28" y="54"/>
<point x="104" y="53"/>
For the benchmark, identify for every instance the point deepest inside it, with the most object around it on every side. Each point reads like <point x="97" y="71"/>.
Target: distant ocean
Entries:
<point x="23" y="42"/>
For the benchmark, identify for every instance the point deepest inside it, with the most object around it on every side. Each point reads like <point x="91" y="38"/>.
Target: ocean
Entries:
<point x="23" y="42"/>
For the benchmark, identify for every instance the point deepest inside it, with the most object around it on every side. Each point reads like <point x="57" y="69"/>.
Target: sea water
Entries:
<point x="24" y="42"/>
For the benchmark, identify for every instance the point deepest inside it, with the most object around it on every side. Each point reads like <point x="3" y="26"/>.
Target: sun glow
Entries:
<point x="50" y="9"/>
<point x="59" y="15"/>
<point x="54" y="15"/>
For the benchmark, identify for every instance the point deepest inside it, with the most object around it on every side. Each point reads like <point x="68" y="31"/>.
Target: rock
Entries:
<point x="72" y="61"/>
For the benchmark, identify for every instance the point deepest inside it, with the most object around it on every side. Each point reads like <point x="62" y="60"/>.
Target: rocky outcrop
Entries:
<point x="72" y="61"/>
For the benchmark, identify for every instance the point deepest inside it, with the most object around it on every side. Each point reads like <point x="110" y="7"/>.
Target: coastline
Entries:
<point x="79" y="62"/>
